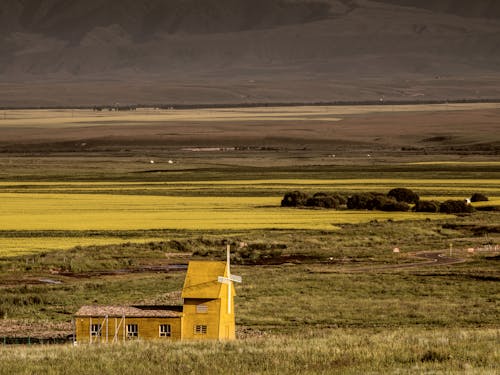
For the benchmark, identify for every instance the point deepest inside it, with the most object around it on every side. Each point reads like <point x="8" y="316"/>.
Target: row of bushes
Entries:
<point x="447" y="207"/>
<point x="323" y="200"/>
<point x="398" y="199"/>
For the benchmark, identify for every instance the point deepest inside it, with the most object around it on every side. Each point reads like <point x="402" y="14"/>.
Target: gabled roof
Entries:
<point x="130" y="311"/>
<point x="201" y="279"/>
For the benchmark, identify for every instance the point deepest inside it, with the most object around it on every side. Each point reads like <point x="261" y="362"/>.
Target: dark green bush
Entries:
<point x="488" y="208"/>
<point x="478" y="197"/>
<point x="377" y="202"/>
<point x="403" y="195"/>
<point x="393" y="205"/>
<point x="294" y="199"/>
<point x="363" y="201"/>
<point x="339" y="198"/>
<point x="427" y="206"/>
<point x="455" y="207"/>
<point x="322" y="201"/>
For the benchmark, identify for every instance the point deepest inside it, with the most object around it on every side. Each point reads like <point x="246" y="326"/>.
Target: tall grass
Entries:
<point x="335" y="351"/>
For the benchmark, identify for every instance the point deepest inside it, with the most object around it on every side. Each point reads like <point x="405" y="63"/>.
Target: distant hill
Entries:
<point x="465" y="8"/>
<point x="72" y="19"/>
<point x="81" y="52"/>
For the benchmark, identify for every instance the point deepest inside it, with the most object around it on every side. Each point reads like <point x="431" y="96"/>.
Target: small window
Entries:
<point x="200" y="329"/>
<point x="95" y="330"/>
<point x="132" y="330"/>
<point x="165" y="330"/>
<point x="203" y="309"/>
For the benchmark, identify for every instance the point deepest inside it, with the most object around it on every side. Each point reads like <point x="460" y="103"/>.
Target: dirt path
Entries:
<point x="434" y="258"/>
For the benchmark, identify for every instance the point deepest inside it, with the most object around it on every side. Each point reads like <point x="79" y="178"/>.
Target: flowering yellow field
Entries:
<point x="100" y="206"/>
<point x="128" y="212"/>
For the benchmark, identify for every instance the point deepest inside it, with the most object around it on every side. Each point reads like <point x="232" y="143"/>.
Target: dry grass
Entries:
<point x="337" y="351"/>
<point x="56" y="118"/>
<point x="15" y="246"/>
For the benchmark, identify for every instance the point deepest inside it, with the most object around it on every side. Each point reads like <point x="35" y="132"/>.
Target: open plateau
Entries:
<point x="105" y="207"/>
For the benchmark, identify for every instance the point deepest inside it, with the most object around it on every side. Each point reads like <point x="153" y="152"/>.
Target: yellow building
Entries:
<point x="207" y="312"/>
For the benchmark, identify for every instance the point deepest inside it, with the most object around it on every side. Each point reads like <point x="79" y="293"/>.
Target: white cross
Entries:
<point x="229" y="279"/>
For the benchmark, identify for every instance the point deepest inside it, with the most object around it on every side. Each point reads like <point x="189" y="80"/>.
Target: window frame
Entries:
<point x="200" y="329"/>
<point x="165" y="333"/>
<point x="131" y="332"/>
<point x="96" y="330"/>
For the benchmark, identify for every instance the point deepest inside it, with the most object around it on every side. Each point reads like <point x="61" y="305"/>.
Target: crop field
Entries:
<point x="252" y="205"/>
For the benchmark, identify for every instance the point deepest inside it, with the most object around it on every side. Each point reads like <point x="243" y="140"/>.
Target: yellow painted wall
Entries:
<point x="148" y="328"/>
<point x="227" y="321"/>
<point x="192" y="318"/>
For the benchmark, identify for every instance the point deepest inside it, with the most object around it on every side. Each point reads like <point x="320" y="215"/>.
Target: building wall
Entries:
<point x="227" y="321"/>
<point x="148" y="328"/>
<point x="193" y="318"/>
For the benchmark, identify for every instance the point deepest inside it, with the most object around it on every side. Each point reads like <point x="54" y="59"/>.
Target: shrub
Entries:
<point x="294" y="199"/>
<point x="404" y="195"/>
<point x="363" y="201"/>
<point x="393" y="205"/>
<point x="478" y="197"/>
<point x="427" y="206"/>
<point x="339" y="198"/>
<point x="455" y="207"/>
<point x="488" y="208"/>
<point x="322" y="200"/>
<point x="377" y="202"/>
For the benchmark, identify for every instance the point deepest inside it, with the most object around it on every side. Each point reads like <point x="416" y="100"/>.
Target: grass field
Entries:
<point x="86" y="219"/>
<point x="15" y="246"/>
<point x="332" y="351"/>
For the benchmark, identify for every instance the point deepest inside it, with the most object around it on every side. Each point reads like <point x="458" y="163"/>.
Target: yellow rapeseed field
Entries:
<point x="99" y="206"/>
<point x="128" y="212"/>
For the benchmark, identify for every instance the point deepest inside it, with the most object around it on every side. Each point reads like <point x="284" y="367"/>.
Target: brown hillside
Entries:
<point x="465" y="8"/>
<point x="55" y="52"/>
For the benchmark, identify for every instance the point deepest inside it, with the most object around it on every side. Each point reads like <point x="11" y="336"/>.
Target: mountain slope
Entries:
<point x="464" y="8"/>
<point x="72" y="19"/>
<point x="58" y="52"/>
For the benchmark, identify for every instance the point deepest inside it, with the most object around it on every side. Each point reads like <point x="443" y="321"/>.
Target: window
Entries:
<point x="165" y="330"/>
<point x="201" y="309"/>
<point x="95" y="330"/>
<point x="200" y="329"/>
<point x="132" y="330"/>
